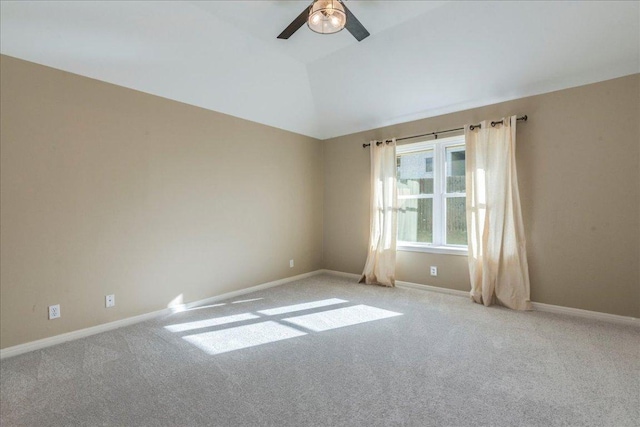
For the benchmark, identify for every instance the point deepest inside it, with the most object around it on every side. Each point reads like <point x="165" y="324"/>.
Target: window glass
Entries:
<point x="428" y="164"/>
<point x="432" y="194"/>
<point x="455" y="170"/>
<point x="415" y="220"/>
<point x="414" y="176"/>
<point x="456" y="221"/>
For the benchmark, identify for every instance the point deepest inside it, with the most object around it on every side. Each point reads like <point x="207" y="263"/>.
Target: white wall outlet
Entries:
<point x="290" y="263"/>
<point x="434" y="270"/>
<point x="110" y="301"/>
<point x="54" y="311"/>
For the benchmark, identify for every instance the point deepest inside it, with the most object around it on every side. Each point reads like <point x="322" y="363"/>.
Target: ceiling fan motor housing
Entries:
<point x="327" y="17"/>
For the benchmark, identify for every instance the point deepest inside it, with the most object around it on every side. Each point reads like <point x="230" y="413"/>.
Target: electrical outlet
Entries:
<point x="54" y="311"/>
<point x="110" y="301"/>
<point x="290" y="263"/>
<point x="434" y="270"/>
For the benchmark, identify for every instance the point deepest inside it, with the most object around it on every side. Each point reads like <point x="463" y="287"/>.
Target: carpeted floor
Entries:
<point x="343" y="355"/>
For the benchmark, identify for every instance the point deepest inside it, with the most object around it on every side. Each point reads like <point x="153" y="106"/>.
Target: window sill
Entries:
<point x="448" y="250"/>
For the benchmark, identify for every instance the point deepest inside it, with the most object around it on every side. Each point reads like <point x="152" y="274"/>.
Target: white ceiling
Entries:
<point x="422" y="58"/>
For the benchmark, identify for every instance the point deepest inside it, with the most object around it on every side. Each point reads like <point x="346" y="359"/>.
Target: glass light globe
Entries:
<point x="327" y="17"/>
<point x="315" y="19"/>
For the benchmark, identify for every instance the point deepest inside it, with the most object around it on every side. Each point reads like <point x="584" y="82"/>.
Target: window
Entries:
<point x="432" y="196"/>
<point x="429" y="164"/>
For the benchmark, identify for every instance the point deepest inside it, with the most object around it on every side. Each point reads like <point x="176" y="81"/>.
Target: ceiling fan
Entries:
<point x="327" y="17"/>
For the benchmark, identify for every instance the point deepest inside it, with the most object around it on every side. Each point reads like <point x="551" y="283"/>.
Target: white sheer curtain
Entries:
<point x="497" y="252"/>
<point x="380" y="267"/>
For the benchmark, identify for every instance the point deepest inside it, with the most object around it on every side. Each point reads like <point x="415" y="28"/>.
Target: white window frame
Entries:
<point x="440" y="195"/>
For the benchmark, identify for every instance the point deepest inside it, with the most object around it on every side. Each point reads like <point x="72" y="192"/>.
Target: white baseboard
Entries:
<point x="596" y="315"/>
<point x="245" y="291"/>
<point x="81" y="333"/>
<point x="454" y="292"/>
<point x="537" y="306"/>
<point x="355" y="277"/>
<point x="401" y="284"/>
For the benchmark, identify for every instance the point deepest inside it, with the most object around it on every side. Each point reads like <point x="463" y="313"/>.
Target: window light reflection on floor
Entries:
<point x="300" y="307"/>
<point x="200" y="307"/>
<point x="218" y="342"/>
<point x="340" y="317"/>
<point x="246" y="300"/>
<point x="216" y="321"/>
<point x="176" y="305"/>
<point x="267" y="331"/>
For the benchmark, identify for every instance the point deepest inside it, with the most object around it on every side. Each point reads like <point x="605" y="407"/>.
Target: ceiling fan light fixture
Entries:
<point x="327" y="17"/>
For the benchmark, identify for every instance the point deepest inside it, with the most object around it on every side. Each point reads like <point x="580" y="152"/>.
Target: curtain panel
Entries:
<point x="498" y="266"/>
<point x="380" y="267"/>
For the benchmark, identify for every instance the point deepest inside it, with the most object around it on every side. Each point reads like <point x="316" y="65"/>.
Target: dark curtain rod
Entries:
<point x="472" y="127"/>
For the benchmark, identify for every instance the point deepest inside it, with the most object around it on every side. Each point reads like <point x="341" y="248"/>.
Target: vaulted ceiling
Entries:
<point x="422" y="58"/>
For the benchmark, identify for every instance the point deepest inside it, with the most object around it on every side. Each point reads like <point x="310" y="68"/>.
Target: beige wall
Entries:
<point x="578" y="161"/>
<point x="108" y="190"/>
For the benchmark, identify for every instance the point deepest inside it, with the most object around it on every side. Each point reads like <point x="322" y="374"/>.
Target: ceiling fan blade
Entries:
<point x="354" y="26"/>
<point x="295" y="25"/>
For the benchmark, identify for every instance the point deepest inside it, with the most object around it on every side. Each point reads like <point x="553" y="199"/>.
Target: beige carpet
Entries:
<point x="327" y="352"/>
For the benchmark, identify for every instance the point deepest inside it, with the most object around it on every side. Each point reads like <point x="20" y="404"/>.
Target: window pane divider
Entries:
<point x="415" y="196"/>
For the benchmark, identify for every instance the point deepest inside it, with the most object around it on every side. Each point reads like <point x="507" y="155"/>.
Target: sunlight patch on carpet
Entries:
<point x="200" y="307"/>
<point x="340" y="317"/>
<point x="240" y="337"/>
<point x="216" y="321"/>
<point x="246" y="300"/>
<point x="300" y="307"/>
